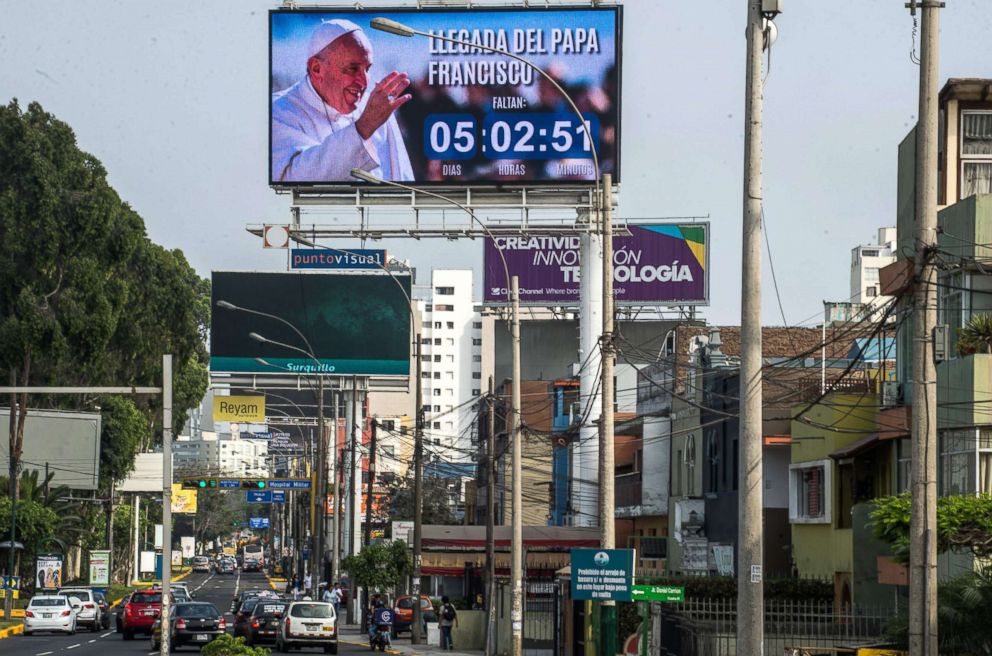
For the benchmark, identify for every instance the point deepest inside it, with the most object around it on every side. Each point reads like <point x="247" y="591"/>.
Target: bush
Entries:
<point x="227" y="645"/>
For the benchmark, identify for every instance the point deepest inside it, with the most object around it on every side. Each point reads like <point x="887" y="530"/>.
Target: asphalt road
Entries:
<point x="217" y="590"/>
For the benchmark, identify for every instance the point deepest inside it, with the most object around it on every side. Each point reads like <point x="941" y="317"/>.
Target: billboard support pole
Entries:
<point x="517" y="546"/>
<point x="336" y="492"/>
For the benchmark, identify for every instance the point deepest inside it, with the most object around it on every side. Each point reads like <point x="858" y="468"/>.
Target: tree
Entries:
<point x="435" y="509"/>
<point x="964" y="524"/>
<point x="976" y="335"/>
<point x="228" y="645"/>
<point x="35" y="524"/>
<point x="380" y="567"/>
<point x="85" y="297"/>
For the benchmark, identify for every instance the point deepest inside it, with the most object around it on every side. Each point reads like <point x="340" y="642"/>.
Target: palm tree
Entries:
<point x="976" y="335"/>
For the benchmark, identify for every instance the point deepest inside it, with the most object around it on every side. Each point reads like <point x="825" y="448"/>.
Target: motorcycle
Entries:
<point x="383" y="623"/>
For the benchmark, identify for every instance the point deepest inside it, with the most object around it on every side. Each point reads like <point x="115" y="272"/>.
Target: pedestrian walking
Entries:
<point x="448" y="619"/>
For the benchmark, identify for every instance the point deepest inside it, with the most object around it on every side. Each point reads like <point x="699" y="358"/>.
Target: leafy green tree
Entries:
<point x="35" y="524"/>
<point x="964" y="524"/>
<point x="85" y="296"/>
<point x="380" y="567"/>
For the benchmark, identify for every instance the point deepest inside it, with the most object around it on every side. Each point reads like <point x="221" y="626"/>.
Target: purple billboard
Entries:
<point x="655" y="265"/>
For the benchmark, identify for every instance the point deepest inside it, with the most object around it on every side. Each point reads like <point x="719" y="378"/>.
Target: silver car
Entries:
<point x="51" y="613"/>
<point x="89" y="611"/>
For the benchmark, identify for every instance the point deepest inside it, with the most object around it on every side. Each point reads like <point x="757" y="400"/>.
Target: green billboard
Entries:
<point x="355" y="324"/>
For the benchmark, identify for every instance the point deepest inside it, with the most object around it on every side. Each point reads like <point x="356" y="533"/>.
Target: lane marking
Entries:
<point x="44" y="653"/>
<point x="73" y="646"/>
<point x="107" y="634"/>
<point x="92" y="641"/>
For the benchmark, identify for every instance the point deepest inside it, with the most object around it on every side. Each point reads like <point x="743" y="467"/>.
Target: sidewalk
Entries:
<point x="352" y="634"/>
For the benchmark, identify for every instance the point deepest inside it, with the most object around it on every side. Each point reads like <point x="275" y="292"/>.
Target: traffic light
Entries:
<point x="254" y="483"/>
<point x="199" y="483"/>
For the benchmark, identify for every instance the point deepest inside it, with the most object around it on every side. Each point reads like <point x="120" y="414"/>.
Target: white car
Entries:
<point x="89" y="611"/>
<point x="308" y="624"/>
<point x="51" y="613"/>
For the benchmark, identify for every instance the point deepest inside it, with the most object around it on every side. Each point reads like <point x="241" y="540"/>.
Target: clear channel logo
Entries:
<point x="602" y="559"/>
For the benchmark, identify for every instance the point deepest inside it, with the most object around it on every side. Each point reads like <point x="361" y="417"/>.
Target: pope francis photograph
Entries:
<point x="330" y="122"/>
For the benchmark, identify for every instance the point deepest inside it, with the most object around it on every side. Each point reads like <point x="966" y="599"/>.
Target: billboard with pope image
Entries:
<point x="345" y="95"/>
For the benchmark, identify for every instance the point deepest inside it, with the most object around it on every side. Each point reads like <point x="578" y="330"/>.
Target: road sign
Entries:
<point x="278" y="496"/>
<point x="16" y="595"/>
<point x="230" y="483"/>
<point x="258" y="496"/>
<point x="289" y="483"/>
<point x="599" y="574"/>
<point x="11" y="582"/>
<point x="657" y="593"/>
<point x="258" y="522"/>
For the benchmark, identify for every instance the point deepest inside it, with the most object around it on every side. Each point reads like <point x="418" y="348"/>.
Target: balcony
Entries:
<point x="627" y="490"/>
<point x="652" y="554"/>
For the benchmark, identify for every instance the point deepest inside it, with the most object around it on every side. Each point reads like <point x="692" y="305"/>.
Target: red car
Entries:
<point x="140" y="612"/>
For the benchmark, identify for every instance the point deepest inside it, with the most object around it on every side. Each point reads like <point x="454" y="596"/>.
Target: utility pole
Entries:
<point x="923" y="518"/>
<point x="320" y="491"/>
<point x="352" y="511"/>
<point x="166" y="637"/>
<point x="490" y="518"/>
<point x="418" y="500"/>
<point x="517" y="543"/>
<point x="335" y="494"/>
<point x="750" y="557"/>
<point x="607" y="470"/>
<point x="368" y="507"/>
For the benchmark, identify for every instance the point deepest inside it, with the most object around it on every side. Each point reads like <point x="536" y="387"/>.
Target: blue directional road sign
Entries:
<point x="258" y="496"/>
<point x="11" y="582"/>
<point x="278" y="496"/>
<point x="258" y="522"/>
<point x="289" y="483"/>
<point x="599" y="574"/>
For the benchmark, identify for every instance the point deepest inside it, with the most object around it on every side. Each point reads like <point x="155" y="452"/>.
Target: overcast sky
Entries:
<point x="173" y="98"/>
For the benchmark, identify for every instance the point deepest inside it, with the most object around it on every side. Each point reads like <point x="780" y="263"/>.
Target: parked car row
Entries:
<point x="67" y="610"/>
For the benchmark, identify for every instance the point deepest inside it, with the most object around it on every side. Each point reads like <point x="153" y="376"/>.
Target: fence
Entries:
<point x="708" y="627"/>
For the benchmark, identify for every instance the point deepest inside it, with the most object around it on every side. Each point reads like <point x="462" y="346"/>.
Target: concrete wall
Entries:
<point x="656" y="465"/>
<point x="471" y="630"/>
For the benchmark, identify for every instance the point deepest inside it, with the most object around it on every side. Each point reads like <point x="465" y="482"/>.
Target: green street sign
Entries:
<point x="657" y="593"/>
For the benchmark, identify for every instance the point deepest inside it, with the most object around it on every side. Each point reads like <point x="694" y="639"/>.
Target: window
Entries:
<point x="437" y="325"/>
<point x="476" y="358"/>
<point x="437" y="358"/>
<point x="953" y="305"/>
<point x="904" y="460"/>
<point x="810" y="490"/>
<point x="976" y="153"/>
<point x="450" y="359"/>
<point x="478" y="374"/>
<point x="444" y="291"/>
<point x="477" y="325"/>
<point x="425" y="374"/>
<point x="437" y="408"/>
<point x="449" y="342"/>
<point x="428" y="308"/>
<point x="437" y="426"/>
<point x="437" y="391"/>
<point x="445" y="308"/>
<point x="437" y="375"/>
<point x="871" y="292"/>
<point x="389" y="451"/>
<point x="449" y="425"/>
<point x="965" y="465"/>
<point x="389" y="425"/>
<point x="476" y="392"/>
<point x="426" y="324"/>
<point x="869" y="253"/>
<point x="448" y="391"/>
<point x="451" y="325"/>
<point x="871" y="274"/>
<point x="449" y="375"/>
<point x="425" y="358"/>
<point x="476" y="341"/>
<point x="437" y="341"/>
<point x="425" y="340"/>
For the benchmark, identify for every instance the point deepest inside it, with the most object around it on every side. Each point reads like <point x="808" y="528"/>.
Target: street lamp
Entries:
<point x="321" y="484"/>
<point x="602" y="201"/>
<point x="516" y="548"/>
